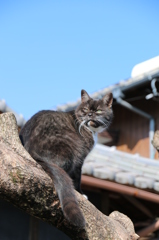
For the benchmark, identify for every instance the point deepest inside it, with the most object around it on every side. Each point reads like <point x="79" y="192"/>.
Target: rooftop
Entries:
<point x="141" y="73"/>
<point x="116" y="166"/>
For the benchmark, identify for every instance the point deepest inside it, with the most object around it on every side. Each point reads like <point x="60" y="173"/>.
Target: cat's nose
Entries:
<point x="90" y="114"/>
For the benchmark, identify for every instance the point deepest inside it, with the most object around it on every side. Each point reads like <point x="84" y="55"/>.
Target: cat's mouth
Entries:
<point x="92" y="123"/>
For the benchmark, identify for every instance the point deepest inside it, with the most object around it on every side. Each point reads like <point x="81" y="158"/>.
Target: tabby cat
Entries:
<point x="60" y="141"/>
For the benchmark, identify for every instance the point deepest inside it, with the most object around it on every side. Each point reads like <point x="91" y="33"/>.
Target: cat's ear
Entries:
<point x="108" y="99"/>
<point x="84" y="96"/>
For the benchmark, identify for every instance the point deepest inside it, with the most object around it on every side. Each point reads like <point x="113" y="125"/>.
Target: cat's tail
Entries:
<point x="65" y="190"/>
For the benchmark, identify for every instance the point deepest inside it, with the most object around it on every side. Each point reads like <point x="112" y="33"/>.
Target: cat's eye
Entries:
<point x="99" y="111"/>
<point x="85" y="109"/>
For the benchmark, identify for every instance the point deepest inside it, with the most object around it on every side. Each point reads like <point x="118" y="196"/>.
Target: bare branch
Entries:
<point x="25" y="184"/>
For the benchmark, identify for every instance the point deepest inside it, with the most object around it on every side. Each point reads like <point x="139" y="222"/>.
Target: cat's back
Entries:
<point x="47" y="122"/>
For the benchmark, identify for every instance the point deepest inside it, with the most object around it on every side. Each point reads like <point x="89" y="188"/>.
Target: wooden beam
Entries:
<point x="139" y="205"/>
<point x="33" y="228"/>
<point x="152" y="228"/>
<point x="116" y="187"/>
<point x="105" y="202"/>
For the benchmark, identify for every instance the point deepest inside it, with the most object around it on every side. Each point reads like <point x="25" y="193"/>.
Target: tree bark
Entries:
<point x="25" y="184"/>
<point x="155" y="141"/>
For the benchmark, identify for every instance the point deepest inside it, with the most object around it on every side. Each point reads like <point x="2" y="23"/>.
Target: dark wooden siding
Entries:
<point x="17" y="225"/>
<point x="133" y="128"/>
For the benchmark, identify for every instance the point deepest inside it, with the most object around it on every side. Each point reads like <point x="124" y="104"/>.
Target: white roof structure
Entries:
<point x="145" y="67"/>
<point x="110" y="164"/>
<point x="141" y="73"/>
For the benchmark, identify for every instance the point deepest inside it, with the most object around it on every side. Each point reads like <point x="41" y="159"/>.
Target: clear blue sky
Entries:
<point x="50" y="50"/>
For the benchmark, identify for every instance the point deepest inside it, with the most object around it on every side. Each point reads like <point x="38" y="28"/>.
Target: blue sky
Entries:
<point x="50" y="50"/>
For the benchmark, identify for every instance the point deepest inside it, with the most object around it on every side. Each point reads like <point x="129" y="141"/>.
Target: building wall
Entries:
<point x="133" y="128"/>
<point x="17" y="225"/>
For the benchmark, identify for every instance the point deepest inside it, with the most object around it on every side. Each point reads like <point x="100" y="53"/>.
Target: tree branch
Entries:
<point x="155" y="141"/>
<point x="24" y="183"/>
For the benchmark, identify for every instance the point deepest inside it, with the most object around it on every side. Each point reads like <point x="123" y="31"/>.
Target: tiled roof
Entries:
<point x="19" y="117"/>
<point x="120" y="167"/>
<point x="121" y="86"/>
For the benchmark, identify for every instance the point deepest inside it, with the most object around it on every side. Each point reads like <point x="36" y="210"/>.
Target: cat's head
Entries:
<point x="94" y="114"/>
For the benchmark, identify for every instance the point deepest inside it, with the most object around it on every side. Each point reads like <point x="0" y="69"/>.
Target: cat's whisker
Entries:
<point x="106" y="125"/>
<point x="76" y="116"/>
<point x="73" y="114"/>
<point x="77" y="122"/>
<point x="82" y="123"/>
<point x="80" y="118"/>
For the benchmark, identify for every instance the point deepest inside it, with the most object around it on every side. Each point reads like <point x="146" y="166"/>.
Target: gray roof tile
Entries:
<point x="108" y="163"/>
<point x="122" y="85"/>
